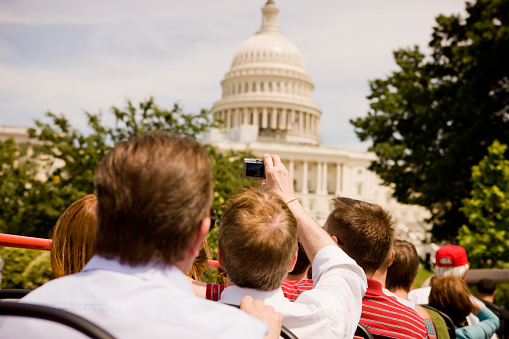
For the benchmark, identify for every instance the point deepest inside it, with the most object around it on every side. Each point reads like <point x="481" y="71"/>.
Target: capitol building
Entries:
<point x="267" y="107"/>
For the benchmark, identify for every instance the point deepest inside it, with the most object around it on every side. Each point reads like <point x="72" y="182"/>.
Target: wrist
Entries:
<point x="291" y="199"/>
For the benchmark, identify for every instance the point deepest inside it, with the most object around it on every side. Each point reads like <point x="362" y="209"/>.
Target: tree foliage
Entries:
<point x="432" y="120"/>
<point x="486" y="238"/>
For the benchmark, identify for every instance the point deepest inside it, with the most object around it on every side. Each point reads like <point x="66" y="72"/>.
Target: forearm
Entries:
<point x="483" y="330"/>
<point x="311" y="235"/>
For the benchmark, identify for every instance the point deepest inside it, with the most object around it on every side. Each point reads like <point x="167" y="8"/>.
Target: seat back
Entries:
<point x="55" y="315"/>
<point x="451" y="329"/>
<point x="363" y="332"/>
<point x="13" y="293"/>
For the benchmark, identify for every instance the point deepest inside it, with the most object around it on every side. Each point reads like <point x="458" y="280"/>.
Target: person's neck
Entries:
<point x="301" y="276"/>
<point x="379" y="276"/>
<point x="229" y="282"/>
<point x="485" y="297"/>
<point x="401" y="293"/>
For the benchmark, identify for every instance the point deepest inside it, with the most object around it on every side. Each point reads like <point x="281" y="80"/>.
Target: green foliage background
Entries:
<point x="432" y="119"/>
<point x="25" y="268"/>
<point x="486" y="238"/>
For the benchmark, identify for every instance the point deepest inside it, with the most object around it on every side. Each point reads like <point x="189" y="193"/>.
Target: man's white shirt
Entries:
<point x="133" y="302"/>
<point x="332" y="309"/>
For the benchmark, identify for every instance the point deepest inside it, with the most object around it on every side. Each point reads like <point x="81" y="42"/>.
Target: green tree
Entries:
<point x="18" y="187"/>
<point x="16" y="261"/>
<point x="486" y="238"/>
<point x="433" y="119"/>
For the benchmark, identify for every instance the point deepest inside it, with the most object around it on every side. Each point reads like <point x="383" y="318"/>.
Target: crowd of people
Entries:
<point x="130" y="260"/>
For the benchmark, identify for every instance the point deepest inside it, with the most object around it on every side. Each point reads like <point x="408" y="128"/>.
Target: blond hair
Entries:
<point x="257" y="239"/>
<point x="73" y="237"/>
<point x="200" y="264"/>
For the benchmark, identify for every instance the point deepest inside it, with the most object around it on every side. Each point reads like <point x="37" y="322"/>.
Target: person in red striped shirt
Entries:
<point x="365" y="232"/>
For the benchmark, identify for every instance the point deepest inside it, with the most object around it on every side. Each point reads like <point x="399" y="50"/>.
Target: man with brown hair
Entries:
<point x="256" y="225"/>
<point x="258" y="247"/>
<point x="366" y="233"/>
<point x="154" y="198"/>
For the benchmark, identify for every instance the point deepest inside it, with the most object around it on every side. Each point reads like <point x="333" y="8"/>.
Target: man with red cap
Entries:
<point x="449" y="260"/>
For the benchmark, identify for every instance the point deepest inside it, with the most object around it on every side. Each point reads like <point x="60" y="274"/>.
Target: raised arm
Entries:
<point x="279" y="181"/>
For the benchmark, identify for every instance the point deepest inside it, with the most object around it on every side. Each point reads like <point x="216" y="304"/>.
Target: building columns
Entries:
<point x="319" y="178"/>
<point x="324" y="179"/>
<point x="339" y="178"/>
<point x="305" y="178"/>
<point x="282" y="119"/>
<point x="264" y="117"/>
<point x="273" y="117"/>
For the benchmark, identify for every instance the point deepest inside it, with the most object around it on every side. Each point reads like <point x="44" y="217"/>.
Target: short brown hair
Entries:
<point x="451" y="295"/>
<point x="153" y="192"/>
<point x="257" y="239"/>
<point x="365" y="232"/>
<point x="73" y="237"/>
<point x="403" y="271"/>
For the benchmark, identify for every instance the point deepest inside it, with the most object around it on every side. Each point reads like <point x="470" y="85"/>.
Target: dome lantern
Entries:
<point x="269" y="22"/>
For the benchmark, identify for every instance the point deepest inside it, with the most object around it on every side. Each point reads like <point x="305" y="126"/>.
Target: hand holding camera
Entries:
<point x="278" y="179"/>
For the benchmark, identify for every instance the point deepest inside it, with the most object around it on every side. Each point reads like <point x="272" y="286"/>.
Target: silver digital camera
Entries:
<point x="254" y="168"/>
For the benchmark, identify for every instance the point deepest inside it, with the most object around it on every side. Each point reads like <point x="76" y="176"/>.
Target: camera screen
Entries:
<point x="256" y="170"/>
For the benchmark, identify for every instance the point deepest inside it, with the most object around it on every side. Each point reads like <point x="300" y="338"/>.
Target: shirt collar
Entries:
<point x="375" y="286"/>
<point x="165" y="274"/>
<point x="233" y="294"/>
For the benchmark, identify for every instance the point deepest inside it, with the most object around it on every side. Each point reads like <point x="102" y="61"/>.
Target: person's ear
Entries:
<point x="393" y="254"/>
<point x="335" y="240"/>
<point x="294" y="261"/>
<point x="220" y="259"/>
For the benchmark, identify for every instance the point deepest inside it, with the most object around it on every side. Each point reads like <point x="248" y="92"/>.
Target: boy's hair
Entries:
<point x="364" y="231"/>
<point x="257" y="239"/>
<point x="403" y="271"/>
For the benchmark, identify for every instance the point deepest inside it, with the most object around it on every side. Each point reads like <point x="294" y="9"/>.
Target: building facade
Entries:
<point x="267" y="107"/>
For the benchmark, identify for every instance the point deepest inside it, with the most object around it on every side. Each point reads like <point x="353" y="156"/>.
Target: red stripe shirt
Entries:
<point x="386" y="317"/>
<point x="291" y="289"/>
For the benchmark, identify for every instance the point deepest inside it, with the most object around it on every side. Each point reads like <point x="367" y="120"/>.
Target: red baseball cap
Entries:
<point x="451" y="256"/>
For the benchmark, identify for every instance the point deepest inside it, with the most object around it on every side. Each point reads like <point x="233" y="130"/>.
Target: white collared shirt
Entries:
<point x="135" y="302"/>
<point x="332" y="309"/>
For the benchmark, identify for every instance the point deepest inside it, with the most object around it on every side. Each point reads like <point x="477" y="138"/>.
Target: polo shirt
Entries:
<point x="384" y="316"/>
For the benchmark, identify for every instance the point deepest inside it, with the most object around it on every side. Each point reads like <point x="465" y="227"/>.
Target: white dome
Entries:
<point x="268" y="47"/>
<point x="268" y="89"/>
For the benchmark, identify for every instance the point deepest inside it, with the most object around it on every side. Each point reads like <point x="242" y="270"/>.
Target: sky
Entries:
<point x="73" y="57"/>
